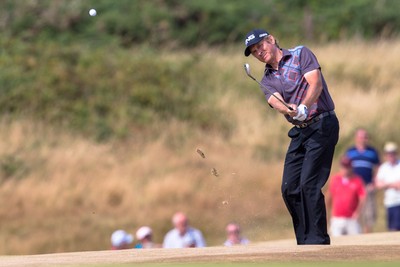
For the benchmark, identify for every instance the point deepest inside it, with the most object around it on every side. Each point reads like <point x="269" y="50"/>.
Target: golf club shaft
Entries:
<point x="280" y="100"/>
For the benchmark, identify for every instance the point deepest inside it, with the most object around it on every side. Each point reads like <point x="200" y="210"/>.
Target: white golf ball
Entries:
<point x="92" y="12"/>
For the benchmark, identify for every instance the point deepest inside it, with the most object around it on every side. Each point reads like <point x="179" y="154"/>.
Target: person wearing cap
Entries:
<point x="365" y="160"/>
<point x="120" y="239"/>
<point x="144" y="236"/>
<point x="233" y="236"/>
<point x="294" y="75"/>
<point x="346" y="196"/>
<point x="388" y="178"/>
<point x="183" y="235"/>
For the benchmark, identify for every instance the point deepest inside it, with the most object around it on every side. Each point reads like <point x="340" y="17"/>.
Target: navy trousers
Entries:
<point x="307" y="168"/>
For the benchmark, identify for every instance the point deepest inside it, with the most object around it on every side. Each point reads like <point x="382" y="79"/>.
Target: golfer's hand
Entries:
<point x="302" y="113"/>
<point x="292" y="112"/>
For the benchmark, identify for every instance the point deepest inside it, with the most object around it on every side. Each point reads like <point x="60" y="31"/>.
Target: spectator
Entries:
<point x="388" y="178"/>
<point x="121" y="240"/>
<point x="145" y="238"/>
<point x="183" y="236"/>
<point x="233" y="236"/>
<point x="365" y="161"/>
<point x="346" y="196"/>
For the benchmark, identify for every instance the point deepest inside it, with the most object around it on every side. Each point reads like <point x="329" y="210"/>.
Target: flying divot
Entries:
<point x="201" y="153"/>
<point x="214" y="172"/>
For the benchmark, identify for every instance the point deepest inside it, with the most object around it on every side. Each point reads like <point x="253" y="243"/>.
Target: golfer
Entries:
<point x="294" y="75"/>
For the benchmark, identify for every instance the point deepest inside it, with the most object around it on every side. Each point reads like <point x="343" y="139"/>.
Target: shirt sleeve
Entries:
<point x="271" y="88"/>
<point x="308" y="61"/>
<point x="200" y="242"/>
<point x="379" y="173"/>
<point x="166" y="241"/>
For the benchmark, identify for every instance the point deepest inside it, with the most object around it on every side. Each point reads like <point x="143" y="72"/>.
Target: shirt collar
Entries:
<point x="285" y="54"/>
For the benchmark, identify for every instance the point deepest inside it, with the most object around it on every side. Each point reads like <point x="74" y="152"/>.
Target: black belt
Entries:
<point x="315" y="119"/>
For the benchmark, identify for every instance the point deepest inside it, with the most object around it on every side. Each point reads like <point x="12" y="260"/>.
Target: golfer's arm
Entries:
<point x="276" y="104"/>
<point x="314" y="80"/>
<point x="314" y="90"/>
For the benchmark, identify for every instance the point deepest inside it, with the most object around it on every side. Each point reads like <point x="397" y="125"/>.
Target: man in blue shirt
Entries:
<point x="295" y="77"/>
<point x="365" y="161"/>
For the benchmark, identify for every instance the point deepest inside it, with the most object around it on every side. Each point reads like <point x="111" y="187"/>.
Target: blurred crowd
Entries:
<point x="352" y="192"/>
<point x="182" y="235"/>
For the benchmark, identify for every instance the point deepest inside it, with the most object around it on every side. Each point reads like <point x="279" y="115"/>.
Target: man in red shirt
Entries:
<point x="346" y="196"/>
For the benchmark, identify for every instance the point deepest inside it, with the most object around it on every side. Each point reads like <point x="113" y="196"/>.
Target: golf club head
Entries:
<point x="247" y="69"/>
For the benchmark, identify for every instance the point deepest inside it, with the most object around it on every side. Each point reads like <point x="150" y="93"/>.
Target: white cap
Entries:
<point x="390" y="147"/>
<point x="120" y="237"/>
<point x="143" y="231"/>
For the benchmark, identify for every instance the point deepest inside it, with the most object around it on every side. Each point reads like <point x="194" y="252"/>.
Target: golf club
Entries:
<point x="247" y="69"/>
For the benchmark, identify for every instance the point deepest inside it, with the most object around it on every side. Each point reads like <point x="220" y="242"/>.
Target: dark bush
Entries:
<point x="103" y="91"/>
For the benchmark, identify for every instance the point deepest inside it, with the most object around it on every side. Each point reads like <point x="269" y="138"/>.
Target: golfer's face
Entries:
<point x="263" y="51"/>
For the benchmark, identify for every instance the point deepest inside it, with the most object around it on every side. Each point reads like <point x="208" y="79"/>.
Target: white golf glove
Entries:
<point x="302" y="113"/>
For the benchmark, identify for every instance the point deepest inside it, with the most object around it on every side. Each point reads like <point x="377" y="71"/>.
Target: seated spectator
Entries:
<point x="346" y="196"/>
<point x="183" y="236"/>
<point x="233" y="236"/>
<point x="145" y="237"/>
<point x="121" y="240"/>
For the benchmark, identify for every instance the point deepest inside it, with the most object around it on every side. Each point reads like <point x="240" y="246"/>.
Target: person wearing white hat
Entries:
<point x="120" y="239"/>
<point x="145" y="237"/>
<point x="388" y="178"/>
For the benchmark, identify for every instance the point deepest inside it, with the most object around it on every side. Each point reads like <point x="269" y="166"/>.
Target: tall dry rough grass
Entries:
<point x="69" y="194"/>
